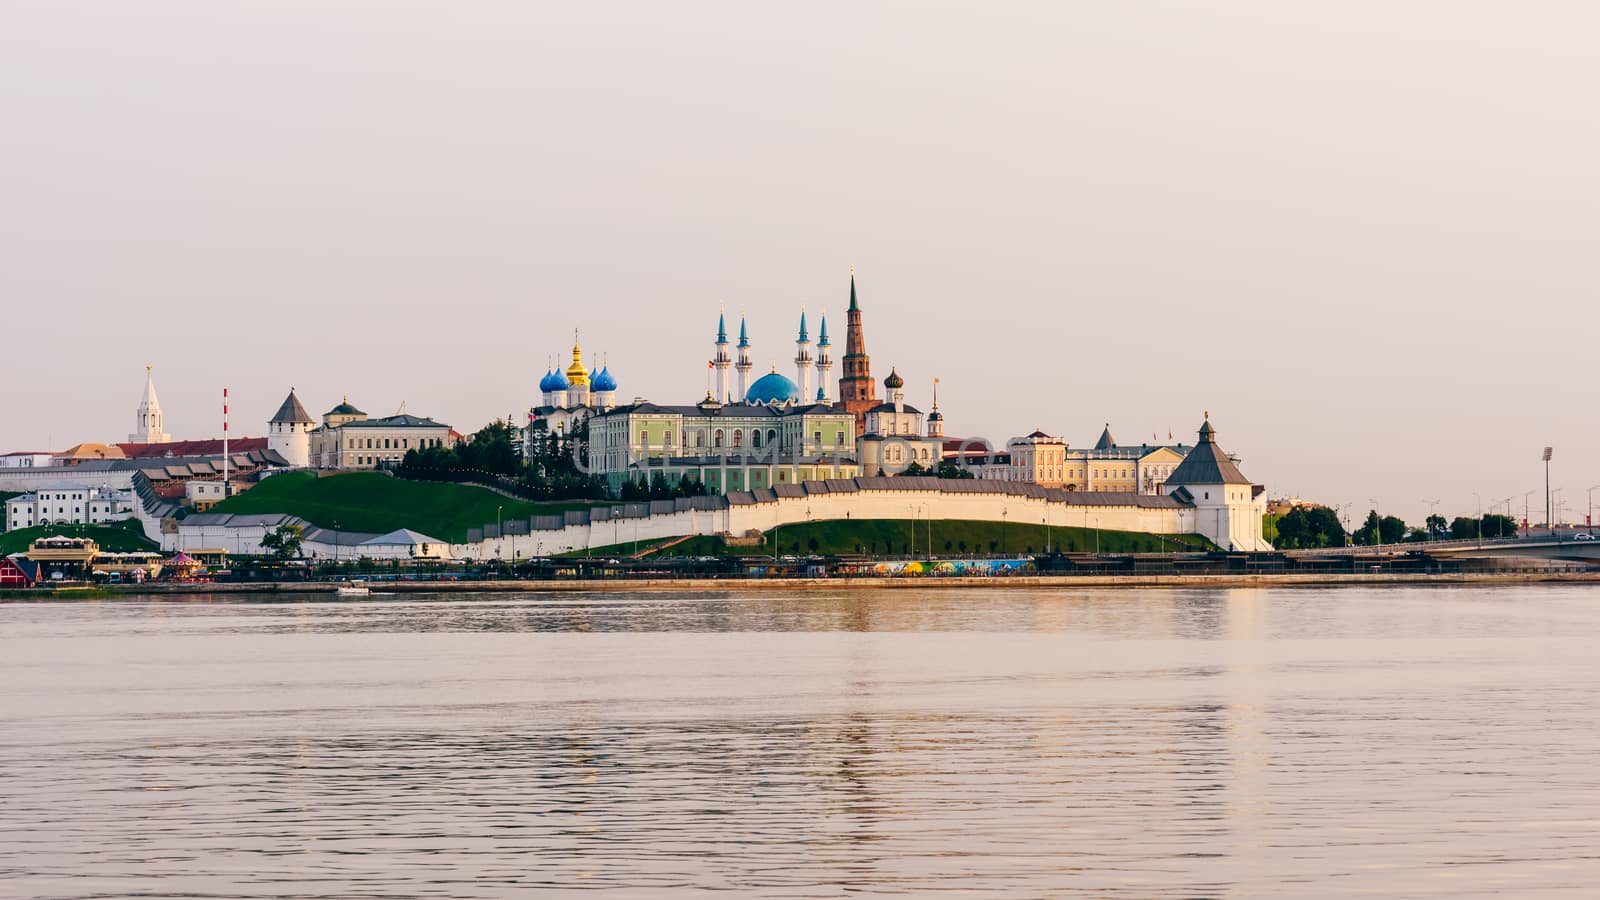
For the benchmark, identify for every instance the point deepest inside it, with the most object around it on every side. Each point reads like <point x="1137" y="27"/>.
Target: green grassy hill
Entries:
<point x="951" y="537"/>
<point x="119" y="537"/>
<point x="375" y="503"/>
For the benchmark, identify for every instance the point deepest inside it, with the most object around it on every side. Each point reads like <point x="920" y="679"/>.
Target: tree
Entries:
<point x="949" y="468"/>
<point x="1367" y="534"/>
<point x="490" y="450"/>
<point x="1498" y="526"/>
<point x="1325" y="528"/>
<point x="1464" y="528"/>
<point x="1393" y="529"/>
<point x="914" y="469"/>
<point x="1436" y="526"/>
<point x="1294" y="530"/>
<point x="284" y="541"/>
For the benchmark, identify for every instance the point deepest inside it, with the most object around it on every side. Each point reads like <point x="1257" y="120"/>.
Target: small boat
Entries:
<point x="353" y="589"/>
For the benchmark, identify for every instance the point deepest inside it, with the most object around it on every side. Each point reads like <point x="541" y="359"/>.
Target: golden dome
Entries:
<point x="576" y="373"/>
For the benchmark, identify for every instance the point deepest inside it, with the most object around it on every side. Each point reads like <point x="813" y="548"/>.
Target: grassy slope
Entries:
<point x="891" y="537"/>
<point x="119" y="537"/>
<point x="374" y="503"/>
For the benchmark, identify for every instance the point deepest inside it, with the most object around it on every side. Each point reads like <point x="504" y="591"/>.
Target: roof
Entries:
<point x="1106" y="441"/>
<point x="889" y="407"/>
<point x="404" y="420"/>
<point x="208" y="447"/>
<point x="91" y="451"/>
<point x="344" y="409"/>
<point x="403" y="536"/>
<point x="291" y="412"/>
<point x="1206" y="464"/>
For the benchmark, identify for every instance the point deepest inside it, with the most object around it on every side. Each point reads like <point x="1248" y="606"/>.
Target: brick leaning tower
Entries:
<point x="857" y="391"/>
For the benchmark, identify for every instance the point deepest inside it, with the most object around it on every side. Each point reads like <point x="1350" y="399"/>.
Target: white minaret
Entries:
<point x="722" y="361"/>
<point x="824" y="363"/>
<point x="802" y="360"/>
<point x="289" y="432"/>
<point x="149" y="415"/>
<point x="744" y="365"/>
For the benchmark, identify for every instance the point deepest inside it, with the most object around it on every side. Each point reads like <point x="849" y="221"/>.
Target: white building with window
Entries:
<point x="347" y="439"/>
<point x="69" y="504"/>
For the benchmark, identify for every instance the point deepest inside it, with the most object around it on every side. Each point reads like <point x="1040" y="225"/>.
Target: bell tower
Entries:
<point x="857" y="392"/>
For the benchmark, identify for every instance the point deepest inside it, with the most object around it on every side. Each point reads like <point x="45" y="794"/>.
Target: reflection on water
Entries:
<point x="1011" y="742"/>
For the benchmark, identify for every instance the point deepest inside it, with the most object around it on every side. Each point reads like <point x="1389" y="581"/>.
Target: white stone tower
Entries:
<point x="289" y="432"/>
<point x="149" y="416"/>
<point x="1226" y="506"/>
<point x="935" y="418"/>
<point x="802" y="360"/>
<point x="824" y="363"/>
<point x="722" y="361"/>
<point x="744" y="365"/>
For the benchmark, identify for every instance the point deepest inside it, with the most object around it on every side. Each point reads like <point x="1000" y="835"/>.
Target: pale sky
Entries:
<point x="1361" y="234"/>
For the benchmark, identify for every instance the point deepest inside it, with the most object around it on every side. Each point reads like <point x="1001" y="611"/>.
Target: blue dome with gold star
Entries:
<point x="773" y="388"/>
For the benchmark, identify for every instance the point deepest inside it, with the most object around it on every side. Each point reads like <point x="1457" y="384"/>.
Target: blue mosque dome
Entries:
<point x="773" y="388"/>
<point x="553" y="380"/>
<point x="603" y="381"/>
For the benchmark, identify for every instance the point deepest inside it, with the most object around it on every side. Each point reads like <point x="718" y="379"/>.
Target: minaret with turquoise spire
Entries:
<point x="802" y="359"/>
<point x="722" y="361"/>
<point x="824" y="361"/>
<point x="744" y="365"/>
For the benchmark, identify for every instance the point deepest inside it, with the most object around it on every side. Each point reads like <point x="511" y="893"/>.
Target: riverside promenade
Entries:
<point x="627" y="585"/>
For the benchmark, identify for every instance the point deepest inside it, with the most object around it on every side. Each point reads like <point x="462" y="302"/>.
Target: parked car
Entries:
<point x="1583" y="536"/>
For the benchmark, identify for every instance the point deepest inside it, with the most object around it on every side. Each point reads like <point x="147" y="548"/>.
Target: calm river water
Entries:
<point x="1009" y="742"/>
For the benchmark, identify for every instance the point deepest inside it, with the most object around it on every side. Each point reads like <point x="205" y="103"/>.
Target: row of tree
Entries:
<point x="552" y="470"/>
<point x="1393" y="530"/>
<point x="1318" y="526"/>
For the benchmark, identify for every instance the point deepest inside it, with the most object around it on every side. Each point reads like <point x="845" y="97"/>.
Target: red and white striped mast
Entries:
<point x="225" y="443"/>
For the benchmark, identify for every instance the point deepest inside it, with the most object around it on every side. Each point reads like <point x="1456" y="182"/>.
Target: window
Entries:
<point x="838" y="437"/>
<point x="666" y="439"/>
<point x="738" y="437"/>
<point x="716" y="439"/>
<point x="755" y="438"/>
<point x="772" y="436"/>
<point x="816" y="437"/>
<point x="644" y="438"/>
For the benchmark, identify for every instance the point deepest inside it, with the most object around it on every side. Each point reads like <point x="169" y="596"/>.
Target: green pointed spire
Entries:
<point x="853" y="306"/>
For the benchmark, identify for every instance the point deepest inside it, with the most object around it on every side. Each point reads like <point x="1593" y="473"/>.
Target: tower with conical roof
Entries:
<point x="802" y="360"/>
<point x="289" y="432"/>
<point x="935" y="418"/>
<point x="857" y="392"/>
<point x="744" y="365"/>
<point x="824" y="362"/>
<point x="1228" y="508"/>
<point x="149" y="415"/>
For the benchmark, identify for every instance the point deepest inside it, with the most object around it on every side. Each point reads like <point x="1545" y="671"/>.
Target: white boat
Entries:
<point x="353" y="589"/>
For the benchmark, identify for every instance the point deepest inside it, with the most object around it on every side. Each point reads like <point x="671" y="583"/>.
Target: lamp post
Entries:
<point x="1433" y="506"/>
<point x="1480" y="518"/>
<point x="1377" y="526"/>
<point x="1527" y="496"/>
<point x="499" y="533"/>
<point x="1549" y="519"/>
<point x="1555" y="513"/>
<point x="1003" y="513"/>
<point x="1588" y="520"/>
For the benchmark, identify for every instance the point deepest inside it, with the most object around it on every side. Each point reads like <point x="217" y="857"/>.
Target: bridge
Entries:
<point x="1552" y="548"/>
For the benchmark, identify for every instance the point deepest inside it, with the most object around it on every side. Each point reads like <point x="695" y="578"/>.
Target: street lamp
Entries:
<point x="1588" y="520"/>
<point x="1377" y="526"/>
<point x="1549" y="521"/>
<point x="1480" y="518"/>
<point x="1433" y="506"/>
<point x="499" y="532"/>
